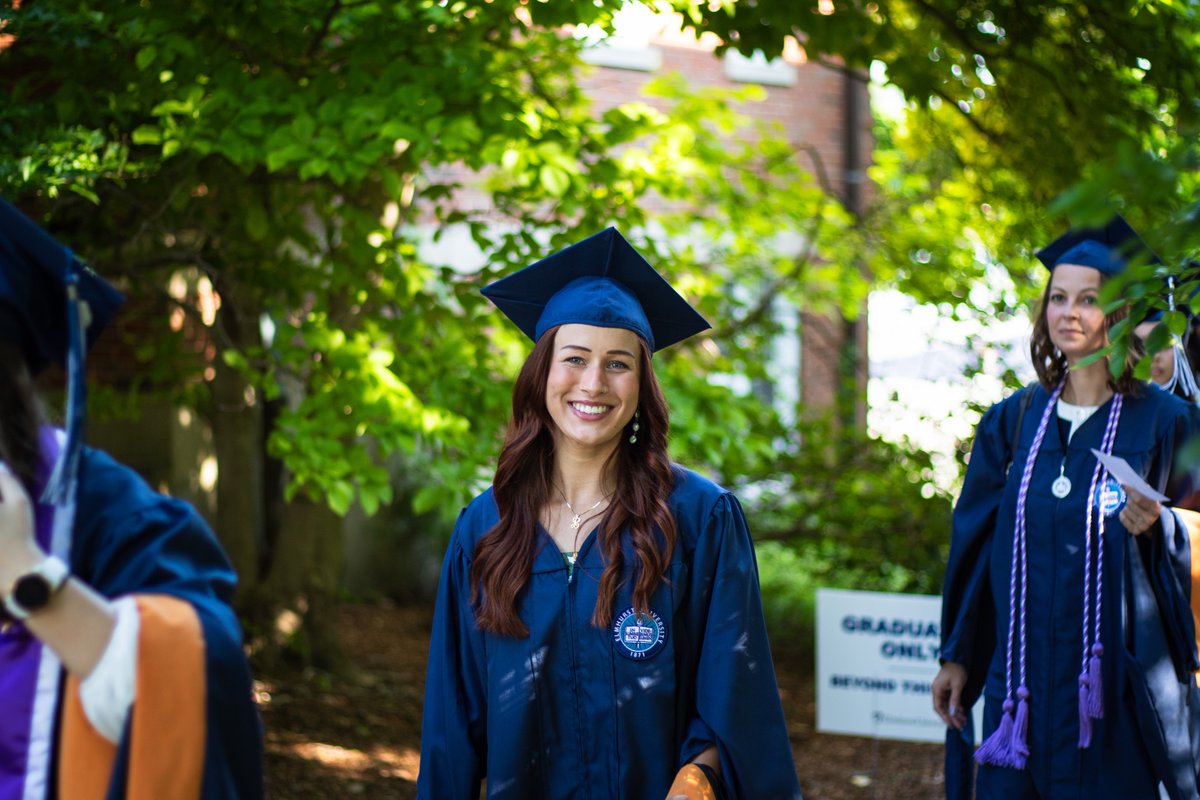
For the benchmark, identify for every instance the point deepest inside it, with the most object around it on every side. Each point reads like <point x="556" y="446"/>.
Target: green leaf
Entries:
<point x="84" y="191"/>
<point x="1176" y="322"/>
<point x="145" y="56"/>
<point x="425" y="499"/>
<point x="339" y="495"/>
<point x="1159" y="338"/>
<point x="555" y="180"/>
<point x="146" y="134"/>
<point x="257" y="224"/>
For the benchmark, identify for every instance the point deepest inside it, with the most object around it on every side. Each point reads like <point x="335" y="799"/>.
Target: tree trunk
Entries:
<point x="237" y="440"/>
<point x="306" y="572"/>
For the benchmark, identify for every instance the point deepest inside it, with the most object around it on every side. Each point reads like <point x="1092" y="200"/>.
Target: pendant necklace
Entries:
<point x="577" y="520"/>
<point x="1062" y="484"/>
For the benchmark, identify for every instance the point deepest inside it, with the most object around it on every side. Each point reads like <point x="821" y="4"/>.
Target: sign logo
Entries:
<point x="638" y="636"/>
<point x="1110" y="497"/>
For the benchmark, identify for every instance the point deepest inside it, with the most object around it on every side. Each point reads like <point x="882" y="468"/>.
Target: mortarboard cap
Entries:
<point x="601" y="281"/>
<point x="52" y="308"/>
<point x="1108" y="248"/>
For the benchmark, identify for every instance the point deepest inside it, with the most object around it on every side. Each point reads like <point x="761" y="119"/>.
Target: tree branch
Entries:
<point x="323" y="31"/>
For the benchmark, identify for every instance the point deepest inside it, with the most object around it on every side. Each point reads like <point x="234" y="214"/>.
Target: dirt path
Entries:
<point x="329" y="738"/>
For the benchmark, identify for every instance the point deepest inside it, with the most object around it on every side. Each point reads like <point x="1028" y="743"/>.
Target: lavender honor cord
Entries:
<point x="1008" y="744"/>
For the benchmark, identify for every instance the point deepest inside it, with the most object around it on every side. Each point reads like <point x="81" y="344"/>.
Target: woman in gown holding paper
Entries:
<point x="1065" y="602"/>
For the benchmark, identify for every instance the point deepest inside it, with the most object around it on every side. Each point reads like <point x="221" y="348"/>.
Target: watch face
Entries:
<point x="32" y="592"/>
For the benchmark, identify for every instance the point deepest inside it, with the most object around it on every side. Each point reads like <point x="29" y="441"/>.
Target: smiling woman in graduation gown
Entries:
<point x="1080" y="637"/>
<point x="634" y="696"/>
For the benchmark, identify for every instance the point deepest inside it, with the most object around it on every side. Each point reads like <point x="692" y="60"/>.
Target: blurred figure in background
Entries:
<point x="1173" y="368"/>
<point x="121" y="664"/>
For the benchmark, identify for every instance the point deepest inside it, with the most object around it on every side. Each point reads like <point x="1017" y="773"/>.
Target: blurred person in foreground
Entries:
<point x="121" y="664"/>
<point x="1066" y="594"/>
<point x="599" y="629"/>
<point x="1173" y="368"/>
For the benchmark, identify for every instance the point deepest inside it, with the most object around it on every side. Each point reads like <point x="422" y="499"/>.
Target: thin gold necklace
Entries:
<point x="577" y="519"/>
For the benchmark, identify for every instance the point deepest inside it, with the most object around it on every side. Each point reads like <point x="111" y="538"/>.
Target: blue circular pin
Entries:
<point x="1110" y="497"/>
<point x="638" y="636"/>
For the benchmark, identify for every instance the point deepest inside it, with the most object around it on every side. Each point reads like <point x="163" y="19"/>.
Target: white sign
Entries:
<point x="877" y="654"/>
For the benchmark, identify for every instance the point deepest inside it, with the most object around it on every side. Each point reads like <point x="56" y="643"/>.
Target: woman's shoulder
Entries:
<point x="1004" y="413"/>
<point x="1030" y="394"/>
<point x="477" y="518"/>
<point x="120" y="520"/>
<point x="105" y="483"/>
<point x="690" y="487"/>
<point x="1151" y="395"/>
<point x="696" y="499"/>
<point x="482" y="503"/>
<point x="1166" y="409"/>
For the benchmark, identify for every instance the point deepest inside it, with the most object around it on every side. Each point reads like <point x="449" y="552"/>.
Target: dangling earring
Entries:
<point x="636" y="427"/>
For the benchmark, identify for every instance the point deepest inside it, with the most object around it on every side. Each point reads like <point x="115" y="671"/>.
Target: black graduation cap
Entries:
<point x="53" y="308"/>
<point x="1108" y="248"/>
<point x="601" y="281"/>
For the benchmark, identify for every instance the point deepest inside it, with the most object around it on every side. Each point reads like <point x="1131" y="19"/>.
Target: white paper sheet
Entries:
<point x="1119" y="468"/>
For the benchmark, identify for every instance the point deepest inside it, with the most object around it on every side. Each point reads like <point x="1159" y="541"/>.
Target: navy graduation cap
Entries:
<point x="600" y="281"/>
<point x="53" y="308"/>
<point x="1107" y="249"/>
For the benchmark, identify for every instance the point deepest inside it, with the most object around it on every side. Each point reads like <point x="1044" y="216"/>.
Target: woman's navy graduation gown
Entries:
<point x="132" y="540"/>
<point x="1146" y="733"/>
<point x="569" y="711"/>
<point x="193" y="730"/>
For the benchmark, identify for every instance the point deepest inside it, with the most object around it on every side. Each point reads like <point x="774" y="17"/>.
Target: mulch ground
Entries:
<point x="330" y="737"/>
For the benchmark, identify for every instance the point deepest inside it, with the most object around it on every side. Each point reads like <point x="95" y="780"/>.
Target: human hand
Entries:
<point x="19" y="551"/>
<point x="691" y="784"/>
<point x="1139" y="513"/>
<point x="947" y="694"/>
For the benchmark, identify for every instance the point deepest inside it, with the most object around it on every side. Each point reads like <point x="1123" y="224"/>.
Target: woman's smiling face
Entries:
<point x="593" y="384"/>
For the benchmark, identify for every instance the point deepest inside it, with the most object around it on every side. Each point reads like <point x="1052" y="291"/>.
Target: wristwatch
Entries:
<point x="33" y="590"/>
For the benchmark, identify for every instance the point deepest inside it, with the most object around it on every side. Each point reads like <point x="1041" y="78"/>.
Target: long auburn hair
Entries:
<point x="20" y="416"/>
<point x="1051" y="365"/>
<point x="503" y="558"/>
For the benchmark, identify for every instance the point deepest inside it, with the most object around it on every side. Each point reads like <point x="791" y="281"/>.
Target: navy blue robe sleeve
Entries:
<point x="454" y="726"/>
<point x="1166" y="551"/>
<point x="1165" y="695"/>
<point x="132" y="540"/>
<point x="737" y="697"/>
<point x="966" y="598"/>
<point x="1160" y="634"/>
<point x="968" y="619"/>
